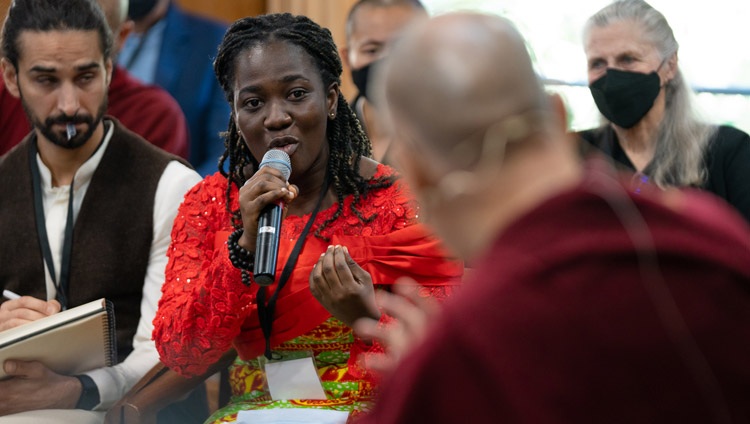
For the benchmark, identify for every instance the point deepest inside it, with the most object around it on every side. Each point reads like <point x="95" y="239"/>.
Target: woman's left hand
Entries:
<point x="343" y="287"/>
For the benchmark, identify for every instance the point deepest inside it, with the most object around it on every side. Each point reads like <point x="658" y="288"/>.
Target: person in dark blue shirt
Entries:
<point x="175" y="50"/>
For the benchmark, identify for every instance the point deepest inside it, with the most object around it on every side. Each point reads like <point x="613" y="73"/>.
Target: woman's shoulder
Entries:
<point x="728" y="142"/>
<point x="730" y="136"/>
<point x="393" y="197"/>
<point x="214" y="183"/>
<point x="211" y="190"/>
<point x="387" y="180"/>
<point x="368" y="168"/>
<point x="386" y="206"/>
<point x="383" y="176"/>
<point x="596" y="136"/>
<point x="594" y="141"/>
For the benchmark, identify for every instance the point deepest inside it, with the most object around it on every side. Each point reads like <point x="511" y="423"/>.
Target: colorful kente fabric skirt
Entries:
<point x="330" y="344"/>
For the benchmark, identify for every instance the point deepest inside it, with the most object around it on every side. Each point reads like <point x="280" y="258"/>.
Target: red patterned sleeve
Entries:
<point x="203" y="301"/>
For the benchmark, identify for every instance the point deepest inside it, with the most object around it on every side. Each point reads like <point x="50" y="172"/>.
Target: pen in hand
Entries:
<point x="10" y="295"/>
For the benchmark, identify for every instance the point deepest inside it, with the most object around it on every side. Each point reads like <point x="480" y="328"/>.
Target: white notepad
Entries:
<point x="70" y="342"/>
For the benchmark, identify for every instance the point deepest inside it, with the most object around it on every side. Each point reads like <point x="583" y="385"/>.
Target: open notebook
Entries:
<point x="70" y="342"/>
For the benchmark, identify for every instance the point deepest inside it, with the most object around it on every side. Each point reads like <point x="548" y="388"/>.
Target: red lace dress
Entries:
<point x="205" y="309"/>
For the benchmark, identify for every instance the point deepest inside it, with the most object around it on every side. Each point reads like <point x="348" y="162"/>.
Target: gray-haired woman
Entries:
<point x="652" y="128"/>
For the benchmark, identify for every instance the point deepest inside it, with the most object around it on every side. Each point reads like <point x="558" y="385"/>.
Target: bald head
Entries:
<point x="474" y="127"/>
<point x="473" y="71"/>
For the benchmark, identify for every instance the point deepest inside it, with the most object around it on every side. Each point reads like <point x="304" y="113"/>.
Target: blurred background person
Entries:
<point x="350" y="227"/>
<point x="175" y="50"/>
<point x="589" y="303"/>
<point x="147" y="110"/>
<point x="652" y="128"/>
<point x="371" y="26"/>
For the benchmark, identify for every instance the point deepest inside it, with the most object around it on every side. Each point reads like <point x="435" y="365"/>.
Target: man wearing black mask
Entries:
<point x="371" y="27"/>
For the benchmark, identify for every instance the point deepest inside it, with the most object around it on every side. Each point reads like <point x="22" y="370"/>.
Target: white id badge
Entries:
<point x="293" y="378"/>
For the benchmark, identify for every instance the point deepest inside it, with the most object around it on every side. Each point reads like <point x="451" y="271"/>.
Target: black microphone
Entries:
<point x="269" y="224"/>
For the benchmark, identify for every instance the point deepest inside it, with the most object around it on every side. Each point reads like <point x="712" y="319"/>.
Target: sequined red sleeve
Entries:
<point x="203" y="301"/>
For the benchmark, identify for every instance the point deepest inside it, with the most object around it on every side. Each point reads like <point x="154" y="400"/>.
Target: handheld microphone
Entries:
<point x="269" y="224"/>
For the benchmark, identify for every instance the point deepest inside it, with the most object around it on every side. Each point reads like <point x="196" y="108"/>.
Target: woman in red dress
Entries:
<point x="281" y="74"/>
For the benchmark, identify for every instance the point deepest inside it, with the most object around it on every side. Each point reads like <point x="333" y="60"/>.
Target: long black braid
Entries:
<point x="346" y="139"/>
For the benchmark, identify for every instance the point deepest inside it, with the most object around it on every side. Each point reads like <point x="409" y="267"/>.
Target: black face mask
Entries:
<point x="625" y="97"/>
<point x="362" y="75"/>
<point x="137" y="9"/>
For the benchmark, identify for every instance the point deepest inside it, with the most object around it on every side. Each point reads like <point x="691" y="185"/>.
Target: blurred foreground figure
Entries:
<point x="589" y="302"/>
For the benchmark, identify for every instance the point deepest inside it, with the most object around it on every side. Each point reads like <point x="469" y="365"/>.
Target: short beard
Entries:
<point x="61" y="138"/>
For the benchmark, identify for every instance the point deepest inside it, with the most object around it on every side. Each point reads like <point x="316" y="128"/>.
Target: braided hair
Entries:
<point x="346" y="139"/>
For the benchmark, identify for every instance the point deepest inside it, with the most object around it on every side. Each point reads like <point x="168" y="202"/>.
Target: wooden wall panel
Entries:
<point x="4" y="5"/>
<point x="225" y="10"/>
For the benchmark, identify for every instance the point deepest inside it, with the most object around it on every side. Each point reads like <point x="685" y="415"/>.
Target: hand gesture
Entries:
<point x="343" y="287"/>
<point x="411" y="314"/>
<point x="34" y="386"/>
<point x="265" y="187"/>
<point x="25" y="309"/>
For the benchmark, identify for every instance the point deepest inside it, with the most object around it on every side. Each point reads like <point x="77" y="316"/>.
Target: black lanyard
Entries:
<point x="266" y="309"/>
<point x="41" y="229"/>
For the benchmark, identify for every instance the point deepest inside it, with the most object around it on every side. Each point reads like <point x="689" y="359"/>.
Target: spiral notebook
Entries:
<point x="70" y="342"/>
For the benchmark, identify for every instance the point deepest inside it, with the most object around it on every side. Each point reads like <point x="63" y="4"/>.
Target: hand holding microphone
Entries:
<point x="266" y="188"/>
<point x="269" y="223"/>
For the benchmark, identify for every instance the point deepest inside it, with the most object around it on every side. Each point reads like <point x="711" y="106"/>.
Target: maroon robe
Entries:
<point x="558" y="324"/>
